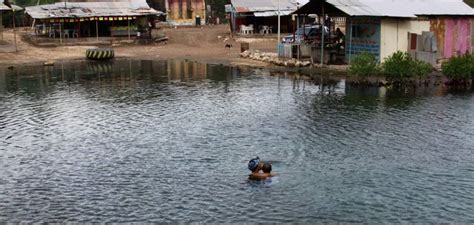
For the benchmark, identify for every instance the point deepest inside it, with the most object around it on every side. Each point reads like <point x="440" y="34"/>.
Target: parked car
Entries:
<point x="306" y="33"/>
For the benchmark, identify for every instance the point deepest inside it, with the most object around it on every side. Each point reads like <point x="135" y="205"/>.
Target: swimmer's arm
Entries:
<point x="258" y="176"/>
<point x="261" y="176"/>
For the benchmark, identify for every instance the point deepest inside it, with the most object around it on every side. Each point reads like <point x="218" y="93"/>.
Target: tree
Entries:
<point x="469" y="2"/>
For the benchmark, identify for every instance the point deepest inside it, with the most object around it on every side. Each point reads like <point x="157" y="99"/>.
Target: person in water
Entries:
<point x="255" y="165"/>
<point x="260" y="170"/>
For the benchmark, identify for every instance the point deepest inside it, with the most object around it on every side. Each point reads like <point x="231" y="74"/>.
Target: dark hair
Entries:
<point x="253" y="164"/>
<point x="267" y="168"/>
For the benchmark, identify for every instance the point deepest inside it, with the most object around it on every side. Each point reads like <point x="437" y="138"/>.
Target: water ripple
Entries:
<point x="80" y="143"/>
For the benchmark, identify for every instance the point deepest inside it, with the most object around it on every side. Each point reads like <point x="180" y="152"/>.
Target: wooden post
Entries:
<point x="78" y="29"/>
<point x="97" y="29"/>
<point x="111" y="33"/>
<point x="60" y="32"/>
<point x="294" y="29"/>
<point x="279" y="21"/>
<point x="34" y="20"/>
<point x="128" y="29"/>
<point x="350" y="42"/>
<point x="14" y="31"/>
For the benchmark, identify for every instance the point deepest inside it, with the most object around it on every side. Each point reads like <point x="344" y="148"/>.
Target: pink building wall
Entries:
<point x="457" y="37"/>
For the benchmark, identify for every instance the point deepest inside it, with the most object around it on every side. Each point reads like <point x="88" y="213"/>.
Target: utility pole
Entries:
<point x="323" y="29"/>
<point x="278" y="21"/>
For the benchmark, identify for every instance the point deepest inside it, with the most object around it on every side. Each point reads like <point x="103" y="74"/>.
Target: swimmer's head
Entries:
<point x="253" y="164"/>
<point x="267" y="168"/>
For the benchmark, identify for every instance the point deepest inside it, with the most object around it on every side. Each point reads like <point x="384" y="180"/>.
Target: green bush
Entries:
<point x="364" y="65"/>
<point x="459" y="68"/>
<point x="401" y="66"/>
<point x="422" y="69"/>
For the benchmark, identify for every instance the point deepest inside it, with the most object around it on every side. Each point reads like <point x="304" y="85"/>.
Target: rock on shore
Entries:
<point x="273" y="58"/>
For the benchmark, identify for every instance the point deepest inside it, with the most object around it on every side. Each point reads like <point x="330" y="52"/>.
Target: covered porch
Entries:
<point x="68" y="22"/>
<point x="330" y="43"/>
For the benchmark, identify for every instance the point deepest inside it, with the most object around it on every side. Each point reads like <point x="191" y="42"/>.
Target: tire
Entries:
<point x="100" y="53"/>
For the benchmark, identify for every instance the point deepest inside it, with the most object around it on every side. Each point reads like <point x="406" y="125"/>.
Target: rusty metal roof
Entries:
<point x="392" y="8"/>
<point x="92" y="9"/>
<point x="402" y="8"/>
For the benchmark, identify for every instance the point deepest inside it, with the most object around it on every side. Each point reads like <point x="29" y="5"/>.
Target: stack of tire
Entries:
<point x="100" y="53"/>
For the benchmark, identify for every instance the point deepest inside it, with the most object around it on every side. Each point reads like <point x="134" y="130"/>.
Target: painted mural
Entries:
<point x="365" y="37"/>
<point x="453" y="34"/>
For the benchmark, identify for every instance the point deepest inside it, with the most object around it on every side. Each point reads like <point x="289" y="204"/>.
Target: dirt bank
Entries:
<point x="206" y="44"/>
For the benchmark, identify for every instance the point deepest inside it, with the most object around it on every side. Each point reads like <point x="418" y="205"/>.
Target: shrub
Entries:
<point x="421" y="68"/>
<point x="401" y="66"/>
<point x="364" y="65"/>
<point x="459" y="68"/>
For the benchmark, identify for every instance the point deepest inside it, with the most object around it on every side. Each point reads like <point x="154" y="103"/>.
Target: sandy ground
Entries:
<point x="206" y="44"/>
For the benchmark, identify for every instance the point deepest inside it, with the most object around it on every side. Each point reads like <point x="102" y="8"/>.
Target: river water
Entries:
<point x="167" y="141"/>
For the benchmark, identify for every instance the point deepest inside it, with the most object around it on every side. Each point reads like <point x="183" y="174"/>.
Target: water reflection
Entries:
<point x="167" y="141"/>
<point x="132" y="73"/>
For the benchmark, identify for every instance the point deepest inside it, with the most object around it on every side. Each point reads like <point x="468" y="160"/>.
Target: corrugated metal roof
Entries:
<point x="3" y="6"/>
<point x="272" y="13"/>
<point x="91" y="9"/>
<point x="395" y="8"/>
<point x="402" y="8"/>
<point x="16" y="8"/>
<point x="248" y="6"/>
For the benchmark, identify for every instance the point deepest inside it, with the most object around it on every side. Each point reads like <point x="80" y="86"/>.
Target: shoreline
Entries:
<point x="210" y="49"/>
<point x="182" y="46"/>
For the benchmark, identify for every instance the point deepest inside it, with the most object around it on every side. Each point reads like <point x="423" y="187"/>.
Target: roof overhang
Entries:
<point x="392" y="8"/>
<point x="91" y="9"/>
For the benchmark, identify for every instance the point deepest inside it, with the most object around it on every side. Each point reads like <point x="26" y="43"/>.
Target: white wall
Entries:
<point x="394" y="34"/>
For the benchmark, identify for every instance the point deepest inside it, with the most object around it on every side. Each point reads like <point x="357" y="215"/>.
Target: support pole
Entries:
<point x="279" y="20"/>
<point x="323" y="29"/>
<point x="34" y="20"/>
<point x="294" y="25"/>
<point x="350" y="42"/>
<point x="297" y="22"/>
<point x="14" y="31"/>
<point x="128" y="29"/>
<point x="1" y="26"/>
<point x="60" y="33"/>
<point x="79" y="29"/>
<point x="97" y="29"/>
